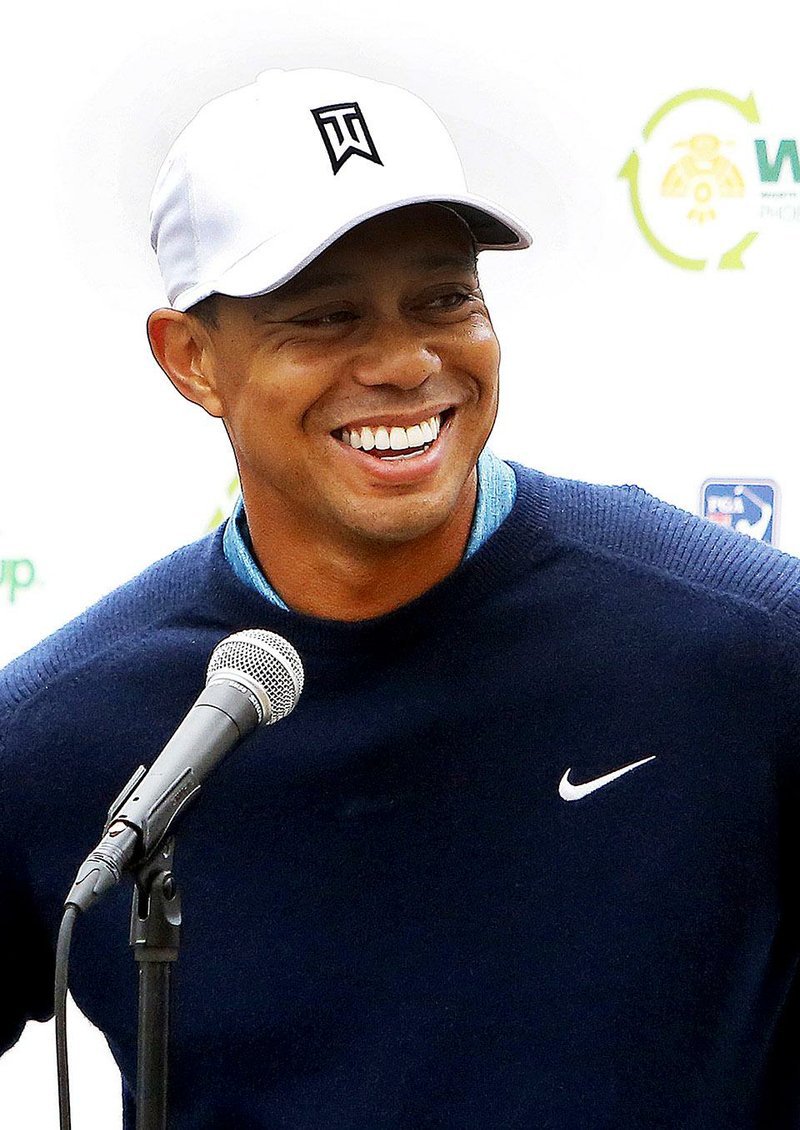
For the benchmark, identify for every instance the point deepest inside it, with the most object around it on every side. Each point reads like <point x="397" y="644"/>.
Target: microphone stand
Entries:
<point x="155" y="937"/>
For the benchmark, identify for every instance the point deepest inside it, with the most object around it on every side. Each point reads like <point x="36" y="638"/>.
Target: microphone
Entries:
<point x="254" y="678"/>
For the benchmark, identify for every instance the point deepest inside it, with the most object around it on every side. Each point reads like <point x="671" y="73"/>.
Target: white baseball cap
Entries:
<point x="266" y="177"/>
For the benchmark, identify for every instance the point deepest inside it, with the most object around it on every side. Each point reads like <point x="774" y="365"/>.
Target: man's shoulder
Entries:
<point x="165" y="591"/>
<point x="637" y="531"/>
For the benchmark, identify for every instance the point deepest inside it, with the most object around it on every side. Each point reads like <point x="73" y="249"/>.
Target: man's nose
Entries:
<point x="397" y="355"/>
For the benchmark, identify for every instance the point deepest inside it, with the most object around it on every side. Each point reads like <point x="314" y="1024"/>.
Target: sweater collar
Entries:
<point x="516" y="546"/>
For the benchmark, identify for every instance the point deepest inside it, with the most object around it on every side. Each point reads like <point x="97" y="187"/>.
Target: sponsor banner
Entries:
<point x="710" y="177"/>
<point x="747" y="507"/>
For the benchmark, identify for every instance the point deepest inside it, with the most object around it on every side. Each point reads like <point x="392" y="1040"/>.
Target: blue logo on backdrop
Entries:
<point x="747" y="508"/>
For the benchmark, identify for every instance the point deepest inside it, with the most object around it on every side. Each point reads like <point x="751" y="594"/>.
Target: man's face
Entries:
<point x="384" y="338"/>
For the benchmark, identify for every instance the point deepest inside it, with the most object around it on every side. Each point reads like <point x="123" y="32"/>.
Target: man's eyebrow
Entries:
<point x="435" y="260"/>
<point x="300" y="287"/>
<point x="305" y="285"/>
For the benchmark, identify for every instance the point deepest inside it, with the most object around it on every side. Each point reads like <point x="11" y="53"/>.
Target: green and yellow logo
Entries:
<point x="705" y="178"/>
<point x="702" y="176"/>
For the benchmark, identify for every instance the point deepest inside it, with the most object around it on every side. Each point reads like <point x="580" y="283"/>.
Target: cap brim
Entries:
<point x="283" y="256"/>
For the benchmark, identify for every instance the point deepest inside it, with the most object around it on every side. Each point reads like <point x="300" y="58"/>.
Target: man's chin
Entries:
<point x="399" y="522"/>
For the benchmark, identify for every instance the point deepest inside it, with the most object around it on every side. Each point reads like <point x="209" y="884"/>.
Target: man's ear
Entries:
<point x="180" y="345"/>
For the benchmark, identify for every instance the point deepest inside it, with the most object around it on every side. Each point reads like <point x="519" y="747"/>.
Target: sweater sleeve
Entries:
<point x="26" y="955"/>
<point x="788" y="626"/>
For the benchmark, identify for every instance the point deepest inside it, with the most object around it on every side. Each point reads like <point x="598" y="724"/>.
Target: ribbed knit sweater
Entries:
<point x="394" y="917"/>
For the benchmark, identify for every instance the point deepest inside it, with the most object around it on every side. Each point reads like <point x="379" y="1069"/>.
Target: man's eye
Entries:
<point x="332" y="318"/>
<point x="452" y="301"/>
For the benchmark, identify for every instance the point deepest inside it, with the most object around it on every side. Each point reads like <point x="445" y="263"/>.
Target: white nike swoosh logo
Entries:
<point x="568" y="791"/>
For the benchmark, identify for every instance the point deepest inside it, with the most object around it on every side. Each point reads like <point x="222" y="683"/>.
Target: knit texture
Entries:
<point x="392" y="918"/>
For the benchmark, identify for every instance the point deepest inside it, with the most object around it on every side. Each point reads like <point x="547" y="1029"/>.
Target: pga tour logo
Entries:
<point x="345" y="134"/>
<point x="746" y="507"/>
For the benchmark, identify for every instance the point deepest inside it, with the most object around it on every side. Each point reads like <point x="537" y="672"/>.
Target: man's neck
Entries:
<point x="337" y="579"/>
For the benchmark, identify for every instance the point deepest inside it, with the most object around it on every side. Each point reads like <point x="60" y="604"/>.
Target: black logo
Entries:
<point x="345" y="134"/>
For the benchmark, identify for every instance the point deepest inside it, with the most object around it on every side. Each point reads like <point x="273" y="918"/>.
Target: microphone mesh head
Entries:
<point x="265" y="662"/>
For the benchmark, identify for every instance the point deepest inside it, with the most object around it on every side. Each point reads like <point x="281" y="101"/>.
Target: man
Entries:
<point x="320" y="383"/>
<point x="523" y="855"/>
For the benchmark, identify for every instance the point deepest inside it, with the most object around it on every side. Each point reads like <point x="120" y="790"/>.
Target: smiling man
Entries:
<point x="524" y="854"/>
<point x="357" y="399"/>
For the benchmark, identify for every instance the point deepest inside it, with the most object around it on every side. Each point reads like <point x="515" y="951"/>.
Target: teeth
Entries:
<point x="394" y="438"/>
<point x="405" y="455"/>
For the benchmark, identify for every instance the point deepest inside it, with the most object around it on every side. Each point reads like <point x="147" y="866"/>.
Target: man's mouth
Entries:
<point x="388" y="441"/>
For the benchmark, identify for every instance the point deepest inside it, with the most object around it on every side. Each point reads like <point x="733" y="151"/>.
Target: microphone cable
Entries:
<point x="60" y="1007"/>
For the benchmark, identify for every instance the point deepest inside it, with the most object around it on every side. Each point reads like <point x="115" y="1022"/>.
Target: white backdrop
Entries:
<point x="619" y="364"/>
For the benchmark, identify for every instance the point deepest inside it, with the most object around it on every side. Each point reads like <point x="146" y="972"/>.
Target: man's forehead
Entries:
<point x="425" y="242"/>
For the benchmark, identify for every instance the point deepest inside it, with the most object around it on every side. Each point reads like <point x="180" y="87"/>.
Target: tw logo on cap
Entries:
<point x="345" y="134"/>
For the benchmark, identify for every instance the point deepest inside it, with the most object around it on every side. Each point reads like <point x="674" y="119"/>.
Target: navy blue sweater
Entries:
<point x="393" y="919"/>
